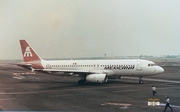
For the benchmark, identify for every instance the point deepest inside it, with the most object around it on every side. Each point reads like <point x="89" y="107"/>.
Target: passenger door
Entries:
<point x="139" y="66"/>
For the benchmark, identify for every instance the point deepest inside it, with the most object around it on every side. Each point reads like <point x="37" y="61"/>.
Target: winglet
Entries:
<point x="28" y="52"/>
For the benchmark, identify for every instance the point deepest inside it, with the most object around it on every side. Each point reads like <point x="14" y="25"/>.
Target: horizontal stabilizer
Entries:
<point x="24" y="65"/>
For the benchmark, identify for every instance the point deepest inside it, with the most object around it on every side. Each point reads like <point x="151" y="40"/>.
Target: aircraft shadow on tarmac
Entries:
<point x="57" y="85"/>
<point x="75" y="83"/>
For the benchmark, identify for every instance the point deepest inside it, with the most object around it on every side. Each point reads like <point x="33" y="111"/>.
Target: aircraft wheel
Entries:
<point x="140" y="82"/>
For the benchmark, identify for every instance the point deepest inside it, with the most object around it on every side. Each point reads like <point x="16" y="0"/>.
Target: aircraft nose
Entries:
<point x="161" y="70"/>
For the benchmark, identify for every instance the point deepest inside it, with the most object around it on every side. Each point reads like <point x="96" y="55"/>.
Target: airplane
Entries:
<point x="93" y="71"/>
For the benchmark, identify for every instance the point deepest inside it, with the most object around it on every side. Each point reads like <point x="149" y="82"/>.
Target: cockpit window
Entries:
<point x="152" y="64"/>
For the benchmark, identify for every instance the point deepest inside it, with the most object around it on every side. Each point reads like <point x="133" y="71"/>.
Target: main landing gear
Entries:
<point x="81" y="82"/>
<point x="140" y="80"/>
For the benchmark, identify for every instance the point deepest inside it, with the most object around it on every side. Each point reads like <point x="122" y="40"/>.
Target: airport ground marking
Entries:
<point x="124" y="105"/>
<point x="36" y="92"/>
<point x="4" y="93"/>
<point x="18" y="77"/>
<point x="128" y="90"/>
<point x="66" y="95"/>
<point x="174" y="106"/>
<point x="7" y="99"/>
<point x="1" y="88"/>
<point x="21" y="74"/>
<point x="169" y="87"/>
<point x="156" y="80"/>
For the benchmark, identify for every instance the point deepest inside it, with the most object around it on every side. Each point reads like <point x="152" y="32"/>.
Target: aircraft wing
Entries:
<point x="110" y="72"/>
<point x="68" y="71"/>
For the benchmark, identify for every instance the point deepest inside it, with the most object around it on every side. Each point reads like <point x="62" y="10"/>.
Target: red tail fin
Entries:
<point x="28" y="52"/>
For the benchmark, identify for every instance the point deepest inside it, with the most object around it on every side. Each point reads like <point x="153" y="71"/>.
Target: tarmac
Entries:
<point x="21" y="90"/>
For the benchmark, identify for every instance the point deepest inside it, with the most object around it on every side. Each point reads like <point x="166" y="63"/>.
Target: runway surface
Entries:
<point x="44" y="92"/>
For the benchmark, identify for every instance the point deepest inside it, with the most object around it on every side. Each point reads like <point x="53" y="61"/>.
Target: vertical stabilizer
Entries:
<point x="28" y="52"/>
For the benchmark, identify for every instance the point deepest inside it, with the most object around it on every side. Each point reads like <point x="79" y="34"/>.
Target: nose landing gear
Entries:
<point x="140" y="80"/>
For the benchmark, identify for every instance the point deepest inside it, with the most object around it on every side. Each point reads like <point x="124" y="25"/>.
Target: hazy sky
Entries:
<point x="90" y="28"/>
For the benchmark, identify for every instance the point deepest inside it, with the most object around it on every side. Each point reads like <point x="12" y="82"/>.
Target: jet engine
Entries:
<point x="97" y="78"/>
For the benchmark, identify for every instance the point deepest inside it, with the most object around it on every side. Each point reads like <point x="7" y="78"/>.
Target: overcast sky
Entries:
<point x="90" y="28"/>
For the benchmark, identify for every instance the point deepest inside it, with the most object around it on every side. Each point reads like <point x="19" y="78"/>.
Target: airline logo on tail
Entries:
<point x="27" y="52"/>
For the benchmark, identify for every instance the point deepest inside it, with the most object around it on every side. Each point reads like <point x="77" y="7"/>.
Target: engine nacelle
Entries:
<point x="97" y="78"/>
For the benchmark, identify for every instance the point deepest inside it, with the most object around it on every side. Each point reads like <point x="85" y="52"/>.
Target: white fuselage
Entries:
<point x="133" y="67"/>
